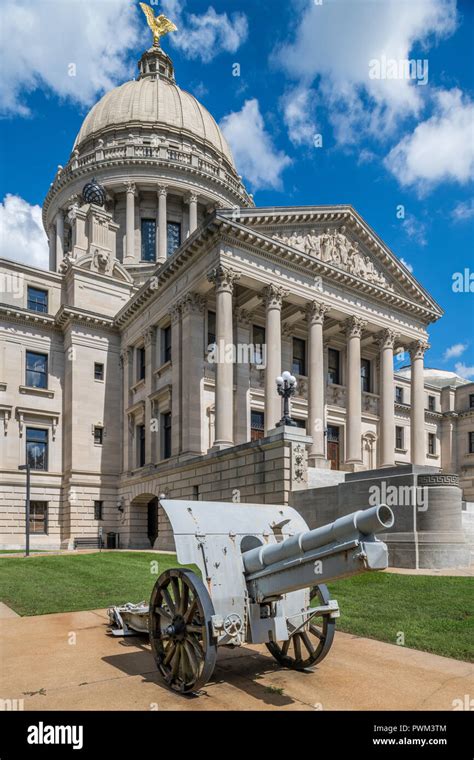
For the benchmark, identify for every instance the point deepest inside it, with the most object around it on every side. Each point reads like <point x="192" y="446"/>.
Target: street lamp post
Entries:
<point x="27" y="507"/>
<point x="286" y="387"/>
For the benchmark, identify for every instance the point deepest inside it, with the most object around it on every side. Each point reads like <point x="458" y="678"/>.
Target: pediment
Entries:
<point x="334" y="246"/>
<point x="339" y="242"/>
<point x="99" y="262"/>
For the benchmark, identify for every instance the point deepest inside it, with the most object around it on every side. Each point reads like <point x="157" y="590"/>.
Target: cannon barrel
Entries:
<point x="364" y="522"/>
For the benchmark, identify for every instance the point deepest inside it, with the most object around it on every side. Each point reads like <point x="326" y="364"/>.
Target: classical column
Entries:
<point x="223" y="278"/>
<point x="315" y="313"/>
<point x="176" y="416"/>
<point x="162" y="225"/>
<point x="59" y="238"/>
<point x="243" y="323"/>
<point x="130" y="190"/>
<point x="192" y="200"/>
<point x="273" y="296"/>
<point x="126" y="357"/>
<point x="192" y="336"/>
<point x="386" y="341"/>
<point x="150" y="341"/>
<point x="354" y="327"/>
<point x="417" y="413"/>
<point x="52" y="248"/>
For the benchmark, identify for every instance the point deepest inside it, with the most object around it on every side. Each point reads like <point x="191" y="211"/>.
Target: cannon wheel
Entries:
<point x="181" y="636"/>
<point x="311" y="645"/>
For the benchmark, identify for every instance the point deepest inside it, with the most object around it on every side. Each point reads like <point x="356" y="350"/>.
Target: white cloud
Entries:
<point x="407" y="265"/>
<point x="254" y="153"/>
<point x="415" y="229"/>
<point x="42" y="41"/>
<point x="463" y="211"/>
<point x="463" y="371"/>
<point x="298" y="113"/>
<point x="454" y="351"/>
<point x="22" y="237"/>
<point x="334" y="44"/>
<point x="439" y="149"/>
<point x="205" y="36"/>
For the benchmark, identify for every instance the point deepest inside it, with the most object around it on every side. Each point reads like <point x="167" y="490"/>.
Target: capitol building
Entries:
<point x="144" y="361"/>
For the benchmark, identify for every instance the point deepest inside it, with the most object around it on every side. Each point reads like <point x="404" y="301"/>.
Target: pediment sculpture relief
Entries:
<point x="333" y="247"/>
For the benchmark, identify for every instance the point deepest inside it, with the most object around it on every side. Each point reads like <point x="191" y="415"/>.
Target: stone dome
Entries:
<point x="154" y="102"/>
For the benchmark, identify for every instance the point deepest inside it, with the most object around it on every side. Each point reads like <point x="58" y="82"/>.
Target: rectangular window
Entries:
<point x="148" y="239"/>
<point x="431" y="443"/>
<point x="365" y="375"/>
<point x="141" y="363"/>
<point x="399" y="431"/>
<point x="399" y="394"/>
<point x="37" y="299"/>
<point x="39" y="517"/>
<point x="98" y="435"/>
<point x="300" y="423"/>
<point x="431" y="403"/>
<point x="174" y="236"/>
<point x="98" y="505"/>
<point x="98" y="371"/>
<point x="37" y="448"/>
<point x="298" y="366"/>
<point x="258" y="340"/>
<point x="211" y="328"/>
<point x="471" y="401"/>
<point x="471" y="441"/>
<point x="334" y="373"/>
<point x="36" y="370"/>
<point x="166" y="344"/>
<point x="166" y="427"/>
<point x="141" y="445"/>
<point x="257" y="425"/>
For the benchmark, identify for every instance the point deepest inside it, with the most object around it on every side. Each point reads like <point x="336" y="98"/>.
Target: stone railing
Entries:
<point x="159" y="153"/>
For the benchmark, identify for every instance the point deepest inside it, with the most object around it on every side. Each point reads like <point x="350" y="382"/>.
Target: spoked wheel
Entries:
<point x="180" y="630"/>
<point x="311" y="643"/>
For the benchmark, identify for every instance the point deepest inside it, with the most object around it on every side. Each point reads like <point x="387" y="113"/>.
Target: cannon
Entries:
<point x="263" y="575"/>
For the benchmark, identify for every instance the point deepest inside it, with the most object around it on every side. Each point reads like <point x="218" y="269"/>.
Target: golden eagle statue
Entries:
<point x="159" y="25"/>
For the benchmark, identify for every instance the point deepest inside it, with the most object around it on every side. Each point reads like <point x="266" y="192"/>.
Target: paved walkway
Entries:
<point x="67" y="661"/>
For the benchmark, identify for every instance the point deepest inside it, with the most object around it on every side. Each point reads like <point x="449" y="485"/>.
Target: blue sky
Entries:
<point x="304" y="71"/>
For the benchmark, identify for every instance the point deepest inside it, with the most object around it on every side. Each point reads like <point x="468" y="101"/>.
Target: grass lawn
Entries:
<point x="435" y="614"/>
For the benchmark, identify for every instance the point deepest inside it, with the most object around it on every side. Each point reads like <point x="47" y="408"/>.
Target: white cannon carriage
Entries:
<point x="263" y="575"/>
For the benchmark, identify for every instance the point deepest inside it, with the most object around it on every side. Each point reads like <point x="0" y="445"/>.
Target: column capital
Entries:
<point x="192" y="303"/>
<point x="175" y="312"/>
<point x="162" y="190"/>
<point x="354" y="327"/>
<point x="191" y="198"/>
<point x="273" y="296"/>
<point x="223" y="277"/>
<point x="386" y="338"/>
<point x="417" y="349"/>
<point x="126" y="356"/>
<point x="243" y="317"/>
<point x="149" y="336"/>
<point x="130" y="187"/>
<point x="315" y="312"/>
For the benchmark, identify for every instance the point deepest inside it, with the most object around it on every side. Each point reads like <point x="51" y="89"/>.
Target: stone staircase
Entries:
<point x="319" y="478"/>
<point x="468" y="525"/>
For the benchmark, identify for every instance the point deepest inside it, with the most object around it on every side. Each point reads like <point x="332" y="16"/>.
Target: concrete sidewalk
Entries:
<point x="67" y="661"/>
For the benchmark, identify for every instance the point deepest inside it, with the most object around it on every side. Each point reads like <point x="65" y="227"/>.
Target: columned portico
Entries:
<point x="223" y="278"/>
<point x="162" y="227"/>
<point x="130" y="190"/>
<point x="386" y="341"/>
<point x="417" y="416"/>
<point x="273" y="296"/>
<point x="315" y="314"/>
<point x="354" y="327"/>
